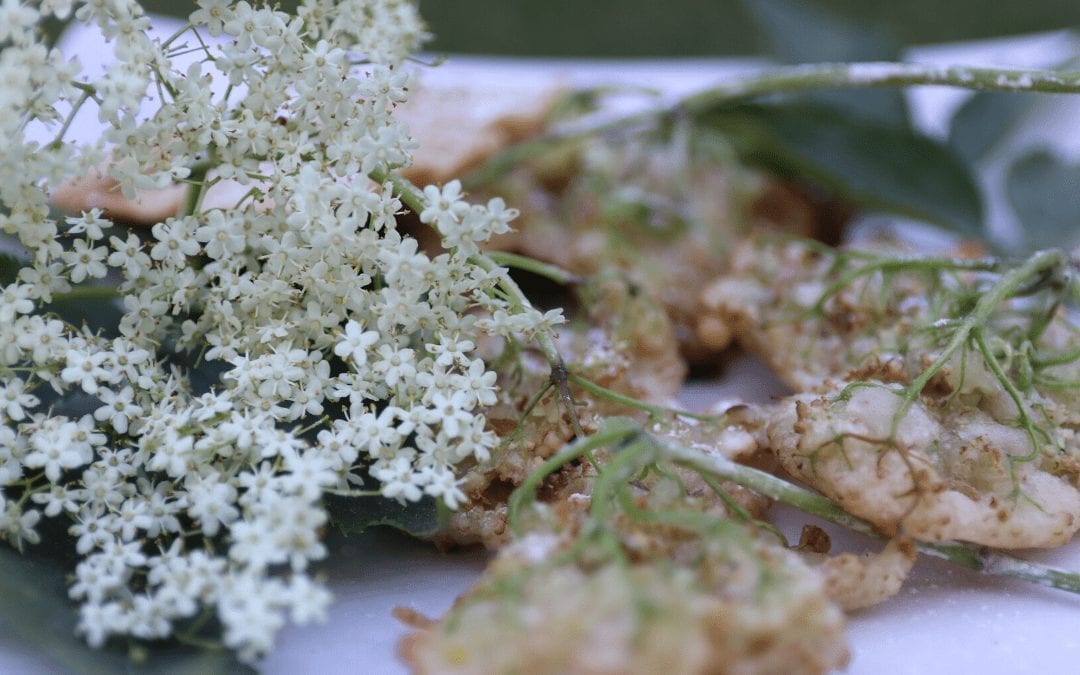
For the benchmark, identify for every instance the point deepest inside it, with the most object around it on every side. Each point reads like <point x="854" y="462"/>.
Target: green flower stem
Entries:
<point x="767" y="484"/>
<point x="898" y="264"/>
<point x="58" y="140"/>
<point x="633" y="447"/>
<point x="614" y="431"/>
<point x="81" y="293"/>
<point x="86" y="88"/>
<point x="196" y="186"/>
<point x="623" y="399"/>
<point x="797" y="78"/>
<point x="1010" y="388"/>
<point x="175" y="36"/>
<point x="545" y="339"/>
<point x="1005" y="287"/>
<point x="352" y="493"/>
<point x="790" y="79"/>
<point x="525" y="412"/>
<point x="543" y="269"/>
<point x="1057" y="360"/>
<point x="192" y="640"/>
<point x="970" y="556"/>
<point x="1003" y="565"/>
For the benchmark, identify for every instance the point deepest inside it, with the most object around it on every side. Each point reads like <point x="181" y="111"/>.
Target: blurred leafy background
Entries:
<point x="699" y="27"/>
<point x="696" y="27"/>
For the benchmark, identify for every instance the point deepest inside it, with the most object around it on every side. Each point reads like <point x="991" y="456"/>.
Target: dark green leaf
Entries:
<point x="1045" y="195"/>
<point x="202" y="377"/>
<point x="804" y="32"/>
<point x="692" y="27"/>
<point x="35" y="608"/>
<point x="984" y="119"/>
<point x="356" y="514"/>
<point x="9" y="268"/>
<point x="874" y="165"/>
<point x="98" y="314"/>
<point x="800" y="32"/>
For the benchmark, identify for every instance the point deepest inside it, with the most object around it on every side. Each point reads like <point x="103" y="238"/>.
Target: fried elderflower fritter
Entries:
<point x="940" y="393"/>
<point x="640" y="576"/>
<point x="931" y="476"/>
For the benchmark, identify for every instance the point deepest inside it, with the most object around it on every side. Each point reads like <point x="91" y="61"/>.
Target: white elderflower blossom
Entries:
<point x="15" y="300"/>
<point x="14" y="400"/>
<point x="293" y="343"/>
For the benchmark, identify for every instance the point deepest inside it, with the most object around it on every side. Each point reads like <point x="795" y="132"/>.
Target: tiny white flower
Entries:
<point x="395" y="365"/>
<point x="119" y="408"/>
<point x="17" y="525"/>
<point x="15" y="300"/>
<point x="127" y="254"/>
<point x="85" y="369"/>
<point x="445" y="206"/>
<point x="212" y="14"/>
<point x="212" y="504"/>
<point x="14" y="400"/>
<point x="356" y="343"/>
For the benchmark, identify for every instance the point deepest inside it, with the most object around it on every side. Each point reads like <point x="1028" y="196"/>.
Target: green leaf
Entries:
<point x="876" y="166"/>
<point x="9" y="268"/>
<point x="1045" y="196"/>
<point x="984" y="119"/>
<point x="800" y="32"/>
<point x="356" y="514"/>
<point x="804" y="32"/>
<point x="36" y="609"/>
<point x="100" y="315"/>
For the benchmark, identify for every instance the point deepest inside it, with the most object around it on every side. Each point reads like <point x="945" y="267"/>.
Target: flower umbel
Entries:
<point x="340" y="352"/>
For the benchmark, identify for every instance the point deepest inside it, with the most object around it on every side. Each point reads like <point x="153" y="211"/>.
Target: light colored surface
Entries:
<point x="371" y="575"/>
<point x="951" y="620"/>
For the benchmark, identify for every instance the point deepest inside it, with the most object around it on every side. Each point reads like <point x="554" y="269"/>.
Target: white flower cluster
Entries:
<point x="343" y="350"/>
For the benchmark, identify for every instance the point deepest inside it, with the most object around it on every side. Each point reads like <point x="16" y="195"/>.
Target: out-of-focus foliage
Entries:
<point x="696" y="27"/>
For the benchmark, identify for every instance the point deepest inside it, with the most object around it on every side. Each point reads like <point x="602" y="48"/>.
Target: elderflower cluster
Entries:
<point x="340" y="353"/>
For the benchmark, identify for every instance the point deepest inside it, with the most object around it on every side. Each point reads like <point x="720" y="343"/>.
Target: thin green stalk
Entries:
<point x="1002" y="565"/>
<point x="352" y="493"/>
<point x="190" y="640"/>
<point x="175" y="36"/>
<point x="1052" y="383"/>
<point x="700" y="523"/>
<point x="767" y="484"/>
<point x="616" y="473"/>
<point x="84" y="95"/>
<point x="1002" y="377"/>
<point x="630" y="402"/>
<point x="790" y="79"/>
<point x="543" y="269"/>
<point x="988" y="302"/>
<point x="1056" y="360"/>
<point x="81" y="293"/>
<point x="526" y="411"/>
<point x="197" y="186"/>
<point x="906" y="264"/>
<point x="614" y="431"/>
<point x="798" y="78"/>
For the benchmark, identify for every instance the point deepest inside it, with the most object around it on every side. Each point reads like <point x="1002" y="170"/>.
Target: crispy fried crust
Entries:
<point x="755" y="608"/>
<point x="859" y="581"/>
<point x="932" y="476"/>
